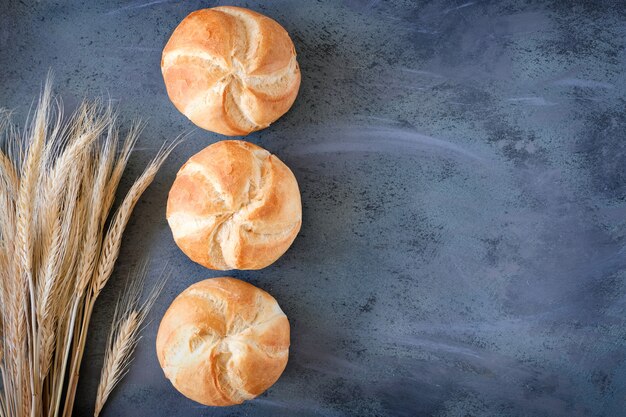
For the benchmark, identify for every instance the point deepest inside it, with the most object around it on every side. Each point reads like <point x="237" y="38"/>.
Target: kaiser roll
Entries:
<point x="234" y="206"/>
<point x="230" y="70"/>
<point x="223" y="341"/>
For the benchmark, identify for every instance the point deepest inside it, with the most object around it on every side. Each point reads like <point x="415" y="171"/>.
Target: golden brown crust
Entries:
<point x="230" y="70"/>
<point x="233" y="205"/>
<point x="223" y="341"/>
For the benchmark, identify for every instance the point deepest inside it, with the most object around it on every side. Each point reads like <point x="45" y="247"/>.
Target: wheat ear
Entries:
<point x="127" y="323"/>
<point x="113" y="238"/>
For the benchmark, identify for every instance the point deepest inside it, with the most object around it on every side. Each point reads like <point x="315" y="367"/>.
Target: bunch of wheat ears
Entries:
<point x="58" y="244"/>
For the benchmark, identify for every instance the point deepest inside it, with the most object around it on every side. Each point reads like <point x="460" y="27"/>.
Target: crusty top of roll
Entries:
<point x="230" y="70"/>
<point x="234" y="205"/>
<point x="223" y="341"/>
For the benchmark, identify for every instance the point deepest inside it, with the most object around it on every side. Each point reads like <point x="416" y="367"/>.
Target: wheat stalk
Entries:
<point x="58" y="180"/>
<point x="124" y="335"/>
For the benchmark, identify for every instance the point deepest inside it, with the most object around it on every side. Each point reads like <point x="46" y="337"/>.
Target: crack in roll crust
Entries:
<point x="234" y="206"/>
<point x="223" y="341"/>
<point x="230" y="70"/>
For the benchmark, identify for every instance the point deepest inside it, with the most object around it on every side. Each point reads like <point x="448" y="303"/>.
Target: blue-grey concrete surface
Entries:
<point x="463" y="176"/>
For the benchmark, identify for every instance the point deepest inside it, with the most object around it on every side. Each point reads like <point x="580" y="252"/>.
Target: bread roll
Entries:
<point x="230" y="70"/>
<point x="234" y="206"/>
<point x="223" y="341"/>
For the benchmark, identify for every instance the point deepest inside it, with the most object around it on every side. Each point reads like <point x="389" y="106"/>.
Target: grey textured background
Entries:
<point x="463" y="175"/>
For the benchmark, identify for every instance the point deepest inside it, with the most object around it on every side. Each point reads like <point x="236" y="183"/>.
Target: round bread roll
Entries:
<point x="223" y="341"/>
<point x="234" y="205"/>
<point x="230" y="70"/>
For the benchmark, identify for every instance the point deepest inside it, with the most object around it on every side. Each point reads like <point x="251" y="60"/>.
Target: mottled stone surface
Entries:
<point x="463" y="175"/>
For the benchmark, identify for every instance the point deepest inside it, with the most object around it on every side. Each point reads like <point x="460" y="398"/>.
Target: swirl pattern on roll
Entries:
<point x="234" y="206"/>
<point x="223" y="341"/>
<point x="230" y="70"/>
